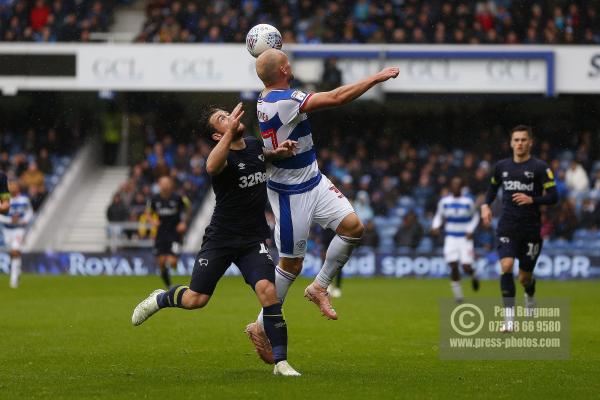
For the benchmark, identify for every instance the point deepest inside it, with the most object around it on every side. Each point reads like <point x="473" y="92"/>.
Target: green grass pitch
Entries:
<point x="71" y="337"/>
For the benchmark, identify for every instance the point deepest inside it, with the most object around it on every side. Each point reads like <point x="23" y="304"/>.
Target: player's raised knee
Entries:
<point x="351" y="226"/>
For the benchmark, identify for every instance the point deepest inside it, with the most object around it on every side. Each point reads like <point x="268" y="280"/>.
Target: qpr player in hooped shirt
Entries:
<point x="459" y="216"/>
<point x="298" y="192"/>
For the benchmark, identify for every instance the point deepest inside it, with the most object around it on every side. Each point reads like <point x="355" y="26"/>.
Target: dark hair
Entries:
<point x="205" y="126"/>
<point x="522" y="128"/>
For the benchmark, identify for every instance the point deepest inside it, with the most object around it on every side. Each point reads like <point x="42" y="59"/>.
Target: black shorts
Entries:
<point x="253" y="260"/>
<point x="526" y="248"/>
<point x="167" y="244"/>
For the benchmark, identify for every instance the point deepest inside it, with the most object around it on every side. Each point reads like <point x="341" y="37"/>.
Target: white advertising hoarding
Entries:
<point x="548" y="70"/>
<point x="578" y="69"/>
<point x="468" y="76"/>
<point x="172" y="67"/>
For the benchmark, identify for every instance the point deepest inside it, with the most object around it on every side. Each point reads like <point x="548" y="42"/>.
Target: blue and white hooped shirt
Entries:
<point x="280" y="118"/>
<point x="458" y="214"/>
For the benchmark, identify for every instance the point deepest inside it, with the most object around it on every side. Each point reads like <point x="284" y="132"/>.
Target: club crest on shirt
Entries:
<point x="505" y="174"/>
<point x="528" y="174"/>
<point x="301" y="245"/>
<point x="241" y="166"/>
<point x="203" y="262"/>
<point x="261" y="157"/>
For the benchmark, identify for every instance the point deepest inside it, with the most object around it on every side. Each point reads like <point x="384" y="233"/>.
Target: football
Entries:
<point x="262" y="37"/>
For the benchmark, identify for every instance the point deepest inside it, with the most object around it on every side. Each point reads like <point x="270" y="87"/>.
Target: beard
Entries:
<point x="291" y="78"/>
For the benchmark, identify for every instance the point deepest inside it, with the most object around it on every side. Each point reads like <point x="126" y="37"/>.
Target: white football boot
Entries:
<point x="147" y="308"/>
<point x="285" y="369"/>
<point x="507" y="326"/>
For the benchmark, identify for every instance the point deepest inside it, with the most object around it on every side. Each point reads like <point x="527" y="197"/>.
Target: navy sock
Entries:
<point x="172" y="297"/>
<point x="507" y="286"/>
<point x="276" y="330"/>
<point x="166" y="277"/>
<point x="530" y="289"/>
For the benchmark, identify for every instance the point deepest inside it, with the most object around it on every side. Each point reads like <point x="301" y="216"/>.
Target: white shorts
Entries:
<point x="459" y="249"/>
<point x="295" y="213"/>
<point x="13" y="238"/>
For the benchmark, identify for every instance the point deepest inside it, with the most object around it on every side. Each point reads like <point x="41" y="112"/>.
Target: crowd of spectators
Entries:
<point x="374" y="21"/>
<point x="34" y="159"/>
<point x="184" y="162"/>
<point x="53" y="20"/>
<point x="396" y="188"/>
<point x="393" y="179"/>
<point x="311" y="21"/>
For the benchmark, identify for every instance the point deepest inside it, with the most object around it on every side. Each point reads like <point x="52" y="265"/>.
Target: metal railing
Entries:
<point x="127" y="235"/>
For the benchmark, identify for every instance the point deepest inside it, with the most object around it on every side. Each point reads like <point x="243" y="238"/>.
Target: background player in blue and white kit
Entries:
<point x="527" y="183"/>
<point x="460" y="218"/>
<point x="299" y="194"/>
<point x="15" y="223"/>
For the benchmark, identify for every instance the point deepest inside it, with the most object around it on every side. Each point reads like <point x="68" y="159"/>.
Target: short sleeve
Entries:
<point x="546" y="176"/>
<point x="289" y="108"/>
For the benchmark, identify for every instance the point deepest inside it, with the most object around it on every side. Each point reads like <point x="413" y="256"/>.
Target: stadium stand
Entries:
<point x="364" y="21"/>
<point x="313" y="22"/>
<point x="53" y="21"/>
<point x="399" y="190"/>
<point x="39" y="138"/>
<point x="36" y="160"/>
<point x="130" y="223"/>
<point x="393" y="180"/>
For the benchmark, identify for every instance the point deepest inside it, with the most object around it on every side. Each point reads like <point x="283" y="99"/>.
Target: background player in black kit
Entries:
<point x="173" y="213"/>
<point x="527" y="183"/>
<point x="236" y="233"/>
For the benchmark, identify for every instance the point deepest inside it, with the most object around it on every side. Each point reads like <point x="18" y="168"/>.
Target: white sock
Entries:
<point x="337" y="256"/>
<point x="529" y="301"/>
<point x="283" y="281"/>
<point x="457" y="290"/>
<point x="15" y="271"/>
<point x="509" y="316"/>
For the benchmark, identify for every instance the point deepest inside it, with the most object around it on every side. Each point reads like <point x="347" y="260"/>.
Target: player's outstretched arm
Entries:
<point x="345" y="94"/>
<point x="217" y="159"/>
